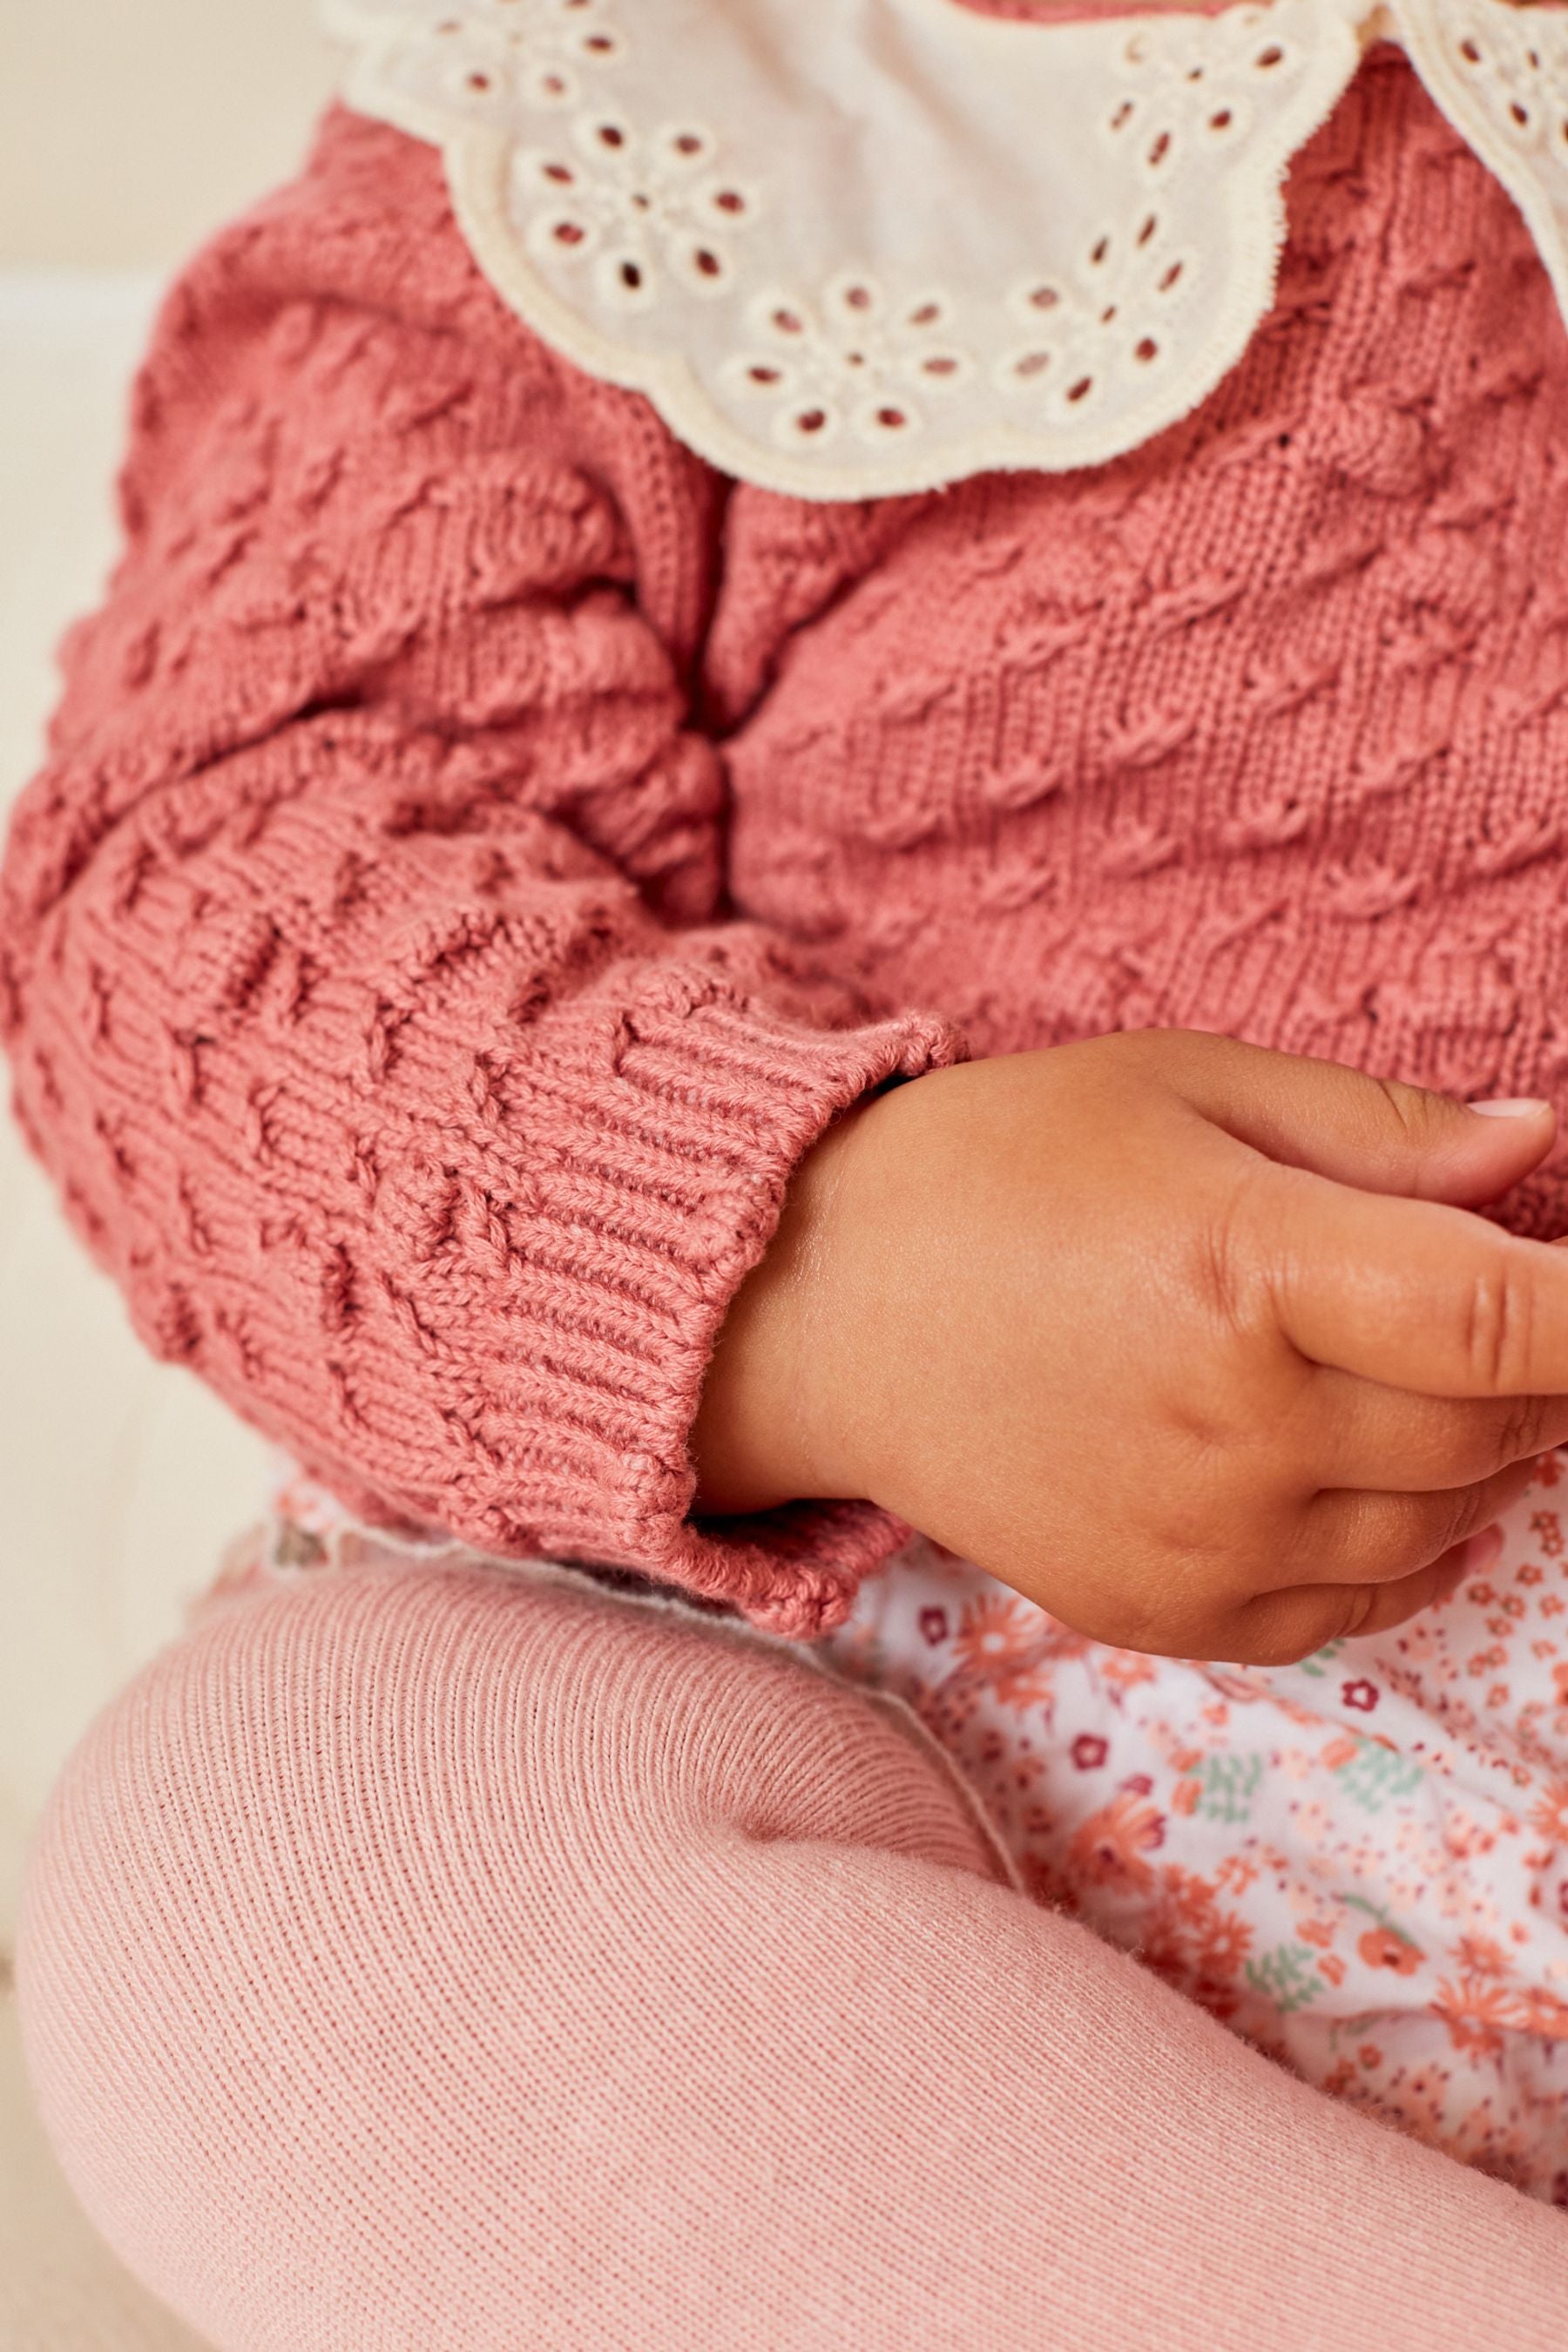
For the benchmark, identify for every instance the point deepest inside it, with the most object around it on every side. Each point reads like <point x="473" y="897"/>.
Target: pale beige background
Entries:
<point x="128" y="130"/>
<point x="128" y="127"/>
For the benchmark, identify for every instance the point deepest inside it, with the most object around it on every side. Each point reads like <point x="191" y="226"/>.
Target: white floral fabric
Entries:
<point x="1359" y="1862"/>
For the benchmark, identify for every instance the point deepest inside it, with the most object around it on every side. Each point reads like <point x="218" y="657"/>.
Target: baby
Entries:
<point x="814" y="853"/>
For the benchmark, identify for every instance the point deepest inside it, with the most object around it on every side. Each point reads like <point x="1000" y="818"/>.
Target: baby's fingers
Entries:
<point x="1389" y="1440"/>
<point x="1366" y="1539"/>
<point x="1278" y="1628"/>
<point x="1413" y="1295"/>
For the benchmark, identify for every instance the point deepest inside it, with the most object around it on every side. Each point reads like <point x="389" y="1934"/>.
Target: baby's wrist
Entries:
<point x="773" y="1424"/>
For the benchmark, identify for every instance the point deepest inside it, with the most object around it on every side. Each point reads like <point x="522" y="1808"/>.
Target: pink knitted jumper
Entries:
<point x="482" y="848"/>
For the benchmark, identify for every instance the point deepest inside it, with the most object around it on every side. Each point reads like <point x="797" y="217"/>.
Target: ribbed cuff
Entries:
<point x="664" y="1191"/>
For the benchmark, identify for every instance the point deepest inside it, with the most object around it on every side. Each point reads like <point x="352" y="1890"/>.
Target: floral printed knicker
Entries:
<point x="1359" y="1862"/>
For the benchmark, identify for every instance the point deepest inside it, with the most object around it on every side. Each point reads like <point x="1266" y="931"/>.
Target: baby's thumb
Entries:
<point x="1383" y="1136"/>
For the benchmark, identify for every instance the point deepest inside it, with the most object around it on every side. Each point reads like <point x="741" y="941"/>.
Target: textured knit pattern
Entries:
<point x="482" y="849"/>
<point x="451" y="1961"/>
<point x="361" y="947"/>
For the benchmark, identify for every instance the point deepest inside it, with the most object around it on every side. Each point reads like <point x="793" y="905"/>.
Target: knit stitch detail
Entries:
<point x="481" y="848"/>
<point x="365" y="968"/>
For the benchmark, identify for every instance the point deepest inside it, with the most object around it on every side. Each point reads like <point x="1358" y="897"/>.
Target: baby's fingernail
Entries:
<point x="1512" y="1107"/>
<point x="1480" y="1553"/>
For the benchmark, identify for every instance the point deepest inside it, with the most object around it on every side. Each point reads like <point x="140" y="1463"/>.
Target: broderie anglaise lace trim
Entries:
<point x="1500" y="74"/>
<point x="854" y="251"/>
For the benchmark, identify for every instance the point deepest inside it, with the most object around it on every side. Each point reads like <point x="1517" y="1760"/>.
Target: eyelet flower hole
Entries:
<point x="625" y="201"/>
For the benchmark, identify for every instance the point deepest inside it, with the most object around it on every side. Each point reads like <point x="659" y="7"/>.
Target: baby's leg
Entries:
<point x="458" y="1959"/>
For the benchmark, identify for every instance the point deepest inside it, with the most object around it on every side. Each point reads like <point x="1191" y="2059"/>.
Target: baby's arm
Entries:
<point x="361" y="953"/>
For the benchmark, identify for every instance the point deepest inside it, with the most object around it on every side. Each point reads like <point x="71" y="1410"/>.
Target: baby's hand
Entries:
<point x="1170" y="1333"/>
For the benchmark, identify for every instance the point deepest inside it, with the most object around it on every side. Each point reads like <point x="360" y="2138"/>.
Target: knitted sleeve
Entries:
<point x="363" y="959"/>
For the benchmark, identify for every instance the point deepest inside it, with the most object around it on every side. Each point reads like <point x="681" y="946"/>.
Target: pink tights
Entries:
<point x="438" y="1958"/>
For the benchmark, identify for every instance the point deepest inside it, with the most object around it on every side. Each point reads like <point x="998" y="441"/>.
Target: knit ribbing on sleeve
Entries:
<point x="363" y="959"/>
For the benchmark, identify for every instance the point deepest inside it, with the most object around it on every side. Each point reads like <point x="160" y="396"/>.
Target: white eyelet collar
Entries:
<point x="879" y="245"/>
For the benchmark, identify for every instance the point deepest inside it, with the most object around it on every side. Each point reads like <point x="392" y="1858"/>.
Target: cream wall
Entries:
<point x="129" y="127"/>
<point x="128" y="130"/>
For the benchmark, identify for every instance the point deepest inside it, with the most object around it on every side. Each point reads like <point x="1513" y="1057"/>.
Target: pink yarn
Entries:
<point x="482" y="850"/>
<point x="454" y="1961"/>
